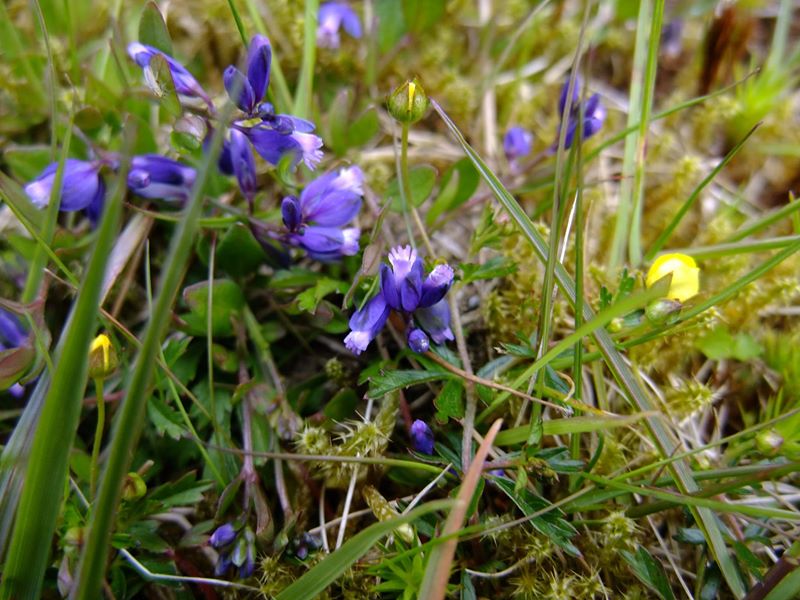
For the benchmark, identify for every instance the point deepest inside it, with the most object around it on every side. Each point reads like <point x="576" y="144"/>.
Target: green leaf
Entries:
<point x="316" y="580"/>
<point x="310" y="299"/>
<point x="458" y="184"/>
<point x="650" y="572"/>
<point x="720" y="344"/>
<point x="159" y="79"/>
<point x="449" y="403"/>
<point x="338" y="117"/>
<point x="391" y="24"/>
<point x="497" y="266"/>
<point x="421" y="180"/>
<point x="228" y="302"/>
<point x="363" y="128"/>
<point x="13" y="195"/>
<point x="166" y="420"/>
<point x="380" y="385"/>
<point x="153" y="30"/>
<point x="292" y="278"/>
<point x="238" y="252"/>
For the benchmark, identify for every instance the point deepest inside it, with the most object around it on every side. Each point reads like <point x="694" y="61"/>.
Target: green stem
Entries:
<point x="98" y="433"/>
<point x="405" y="183"/>
<point x="302" y="97"/>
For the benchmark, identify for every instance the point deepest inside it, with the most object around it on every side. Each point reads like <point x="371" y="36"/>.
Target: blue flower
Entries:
<point x="366" y="323"/>
<point x="253" y="86"/>
<point x="332" y="16"/>
<point x="243" y="163"/>
<point x="421" y="437"/>
<point x="158" y="177"/>
<point x="517" y="143"/>
<point x="315" y="221"/>
<point x="13" y="336"/>
<point x="185" y="83"/>
<point x="282" y="135"/>
<point x="81" y="186"/>
<point x="419" y="301"/>
<point x="223" y="536"/>
<point x="594" y="113"/>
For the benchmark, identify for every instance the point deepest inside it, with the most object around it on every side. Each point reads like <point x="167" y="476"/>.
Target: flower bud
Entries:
<point x="408" y="102"/>
<point x="685" y="281"/>
<point x="133" y="487"/>
<point x="103" y="359"/>
<point x="769" y="442"/>
<point x="661" y="311"/>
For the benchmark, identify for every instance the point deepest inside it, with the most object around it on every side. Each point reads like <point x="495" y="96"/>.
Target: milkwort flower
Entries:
<point x="160" y="178"/>
<point x="272" y="135"/>
<point x="185" y="83"/>
<point x="594" y="113"/>
<point x="13" y="340"/>
<point x="236" y="548"/>
<point x="315" y="221"/>
<point x="332" y="16"/>
<point x="82" y="187"/>
<point x="419" y="301"/>
<point x="517" y="143"/>
<point x="421" y="437"/>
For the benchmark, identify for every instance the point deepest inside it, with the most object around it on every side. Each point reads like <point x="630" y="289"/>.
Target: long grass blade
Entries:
<point x="305" y="83"/>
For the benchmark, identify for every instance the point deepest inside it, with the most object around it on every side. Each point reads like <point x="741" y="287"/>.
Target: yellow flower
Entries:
<point x="685" y="275"/>
<point x="103" y="359"/>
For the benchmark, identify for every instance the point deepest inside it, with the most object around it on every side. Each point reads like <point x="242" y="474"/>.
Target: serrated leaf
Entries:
<point x="421" y="180"/>
<point x="391" y="381"/>
<point x="449" y="403"/>
<point x="153" y="30"/>
<point x="165" y="419"/>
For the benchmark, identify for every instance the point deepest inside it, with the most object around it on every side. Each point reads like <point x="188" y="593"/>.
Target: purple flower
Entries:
<point x="12" y="337"/>
<point x="223" y="536"/>
<point x="421" y="437"/>
<point x="185" y="83"/>
<point x="243" y="163"/>
<point x="253" y="86"/>
<point x="158" y="177"/>
<point x="436" y="321"/>
<point x="418" y="341"/>
<point x="593" y="114"/>
<point x="272" y="143"/>
<point x="81" y="185"/>
<point x="419" y="301"/>
<point x="517" y="143"/>
<point x="366" y="323"/>
<point x="332" y="16"/>
<point x="315" y="221"/>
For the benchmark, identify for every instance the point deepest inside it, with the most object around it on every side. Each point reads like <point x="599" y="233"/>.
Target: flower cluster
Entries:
<point x="315" y="221"/>
<point x="236" y="547"/>
<point x="83" y="188"/>
<point x="594" y="113"/>
<point x="419" y="301"/>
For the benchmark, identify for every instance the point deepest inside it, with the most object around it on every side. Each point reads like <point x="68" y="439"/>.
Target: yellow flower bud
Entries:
<point x="408" y="102"/>
<point x="685" y="275"/>
<point x="103" y="359"/>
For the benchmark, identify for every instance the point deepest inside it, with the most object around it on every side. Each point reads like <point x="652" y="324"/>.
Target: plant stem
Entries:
<point x="98" y="433"/>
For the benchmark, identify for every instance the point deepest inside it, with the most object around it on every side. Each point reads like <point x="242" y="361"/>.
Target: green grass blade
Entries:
<point x="305" y="83"/>
<point x="517" y="435"/>
<point x="615" y="361"/>
<point x="648" y="84"/>
<point x="629" y="159"/>
<point x="46" y="468"/>
<point x="326" y="572"/>
<point x="131" y="415"/>
<point x="664" y="236"/>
